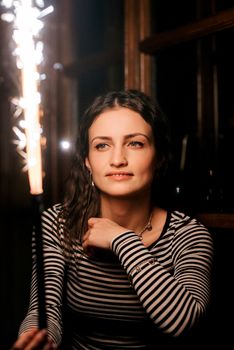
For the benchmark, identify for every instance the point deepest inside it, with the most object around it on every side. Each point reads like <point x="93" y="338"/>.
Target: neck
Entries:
<point x="132" y="214"/>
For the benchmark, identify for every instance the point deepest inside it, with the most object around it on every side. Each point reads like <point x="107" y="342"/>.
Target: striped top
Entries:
<point x="129" y="297"/>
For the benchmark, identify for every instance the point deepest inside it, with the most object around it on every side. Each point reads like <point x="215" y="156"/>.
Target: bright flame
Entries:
<point x="30" y="92"/>
<point x="29" y="54"/>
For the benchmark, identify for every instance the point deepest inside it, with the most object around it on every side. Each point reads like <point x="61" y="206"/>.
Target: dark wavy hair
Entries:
<point x="81" y="200"/>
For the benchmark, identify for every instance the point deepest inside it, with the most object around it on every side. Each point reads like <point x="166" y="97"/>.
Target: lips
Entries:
<point x="119" y="174"/>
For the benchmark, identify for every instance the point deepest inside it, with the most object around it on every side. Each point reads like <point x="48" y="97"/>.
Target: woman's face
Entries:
<point x="121" y="153"/>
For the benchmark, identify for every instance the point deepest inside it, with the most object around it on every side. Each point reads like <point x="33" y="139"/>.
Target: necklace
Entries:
<point x="147" y="227"/>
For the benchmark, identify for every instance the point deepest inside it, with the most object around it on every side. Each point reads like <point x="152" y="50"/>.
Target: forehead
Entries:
<point x="119" y="121"/>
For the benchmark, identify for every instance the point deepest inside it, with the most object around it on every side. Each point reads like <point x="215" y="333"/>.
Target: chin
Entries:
<point x="118" y="194"/>
<point x="121" y="190"/>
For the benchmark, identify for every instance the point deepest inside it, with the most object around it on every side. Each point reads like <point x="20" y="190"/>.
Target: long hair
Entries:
<point x="81" y="199"/>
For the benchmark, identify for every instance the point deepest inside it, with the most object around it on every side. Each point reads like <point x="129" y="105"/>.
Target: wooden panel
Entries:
<point x="137" y="27"/>
<point x="132" y="55"/>
<point x="220" y="21"/>
<point x="217" y="220"/>
<point x="145" y="60"/>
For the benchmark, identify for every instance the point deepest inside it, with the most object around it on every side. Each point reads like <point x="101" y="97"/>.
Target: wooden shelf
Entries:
<point x="217" y="220"/>
<point x="212" y="24"/>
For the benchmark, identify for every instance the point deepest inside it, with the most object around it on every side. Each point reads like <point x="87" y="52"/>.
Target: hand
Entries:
<point x="34" y="339"/>
<point x="101" y="232"/>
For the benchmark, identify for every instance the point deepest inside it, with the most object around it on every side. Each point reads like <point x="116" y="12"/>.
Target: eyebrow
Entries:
<point x="128" y="136"/>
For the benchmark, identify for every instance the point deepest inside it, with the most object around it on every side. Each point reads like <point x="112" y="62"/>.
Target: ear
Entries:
<point x="87" y="164"/>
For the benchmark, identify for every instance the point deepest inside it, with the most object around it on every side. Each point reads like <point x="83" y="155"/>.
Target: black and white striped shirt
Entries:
<point x="126" y="298"/>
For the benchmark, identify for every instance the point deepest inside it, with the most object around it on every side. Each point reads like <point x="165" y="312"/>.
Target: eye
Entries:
<point x="101" y="146"/>
<point x="136" y="144"/>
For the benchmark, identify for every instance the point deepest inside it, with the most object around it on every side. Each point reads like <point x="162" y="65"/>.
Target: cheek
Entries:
<point x="147" y="166"/>
<point x="151" y="168"/>
<point x="96" y="162"/>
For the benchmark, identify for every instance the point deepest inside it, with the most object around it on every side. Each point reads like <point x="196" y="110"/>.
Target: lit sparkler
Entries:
<point x="26" y="17"/>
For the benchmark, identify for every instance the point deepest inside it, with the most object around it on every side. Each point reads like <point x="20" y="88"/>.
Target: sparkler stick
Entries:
<point x="33" y="144"/>
<point x="37" y="206"/>
<point x="27" y="23"/>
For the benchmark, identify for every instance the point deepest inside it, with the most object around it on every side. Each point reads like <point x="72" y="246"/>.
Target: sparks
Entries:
<point x="27" y="24"/>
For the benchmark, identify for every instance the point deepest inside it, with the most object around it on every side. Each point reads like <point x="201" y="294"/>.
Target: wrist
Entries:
<point x="127" y="233"/>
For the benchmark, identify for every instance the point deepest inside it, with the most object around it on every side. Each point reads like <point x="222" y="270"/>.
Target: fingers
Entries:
<point x="50" y="345"/>
<point x="85" y="237"/>
<point x="100" y="233"/>
<point x="31" y="340"/>
<point x="24" y="339"/>
<point x="85" y="241"/>
<point x="88" y="248"/>
<point x="38" y="340"/>
<point x="92" y="221"/>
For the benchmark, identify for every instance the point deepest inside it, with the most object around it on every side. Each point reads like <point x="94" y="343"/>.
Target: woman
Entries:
<point x="127" y="270"/>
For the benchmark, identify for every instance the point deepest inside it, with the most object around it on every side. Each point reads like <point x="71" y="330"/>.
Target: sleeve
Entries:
<point x="54" y="267"/>
<point x="174" y="301"/>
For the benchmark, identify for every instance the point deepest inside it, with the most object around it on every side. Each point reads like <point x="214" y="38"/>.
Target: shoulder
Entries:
<point x="180" y="219"/>
<point x="185" y="225"/>
<point x="52" y="224"/>
<point x="52" y="217"/>
<point x="53" y="213"/>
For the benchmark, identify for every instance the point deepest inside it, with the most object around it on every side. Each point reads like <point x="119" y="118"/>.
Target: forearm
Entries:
<point x="54" y="266"/>
<point x="168" y="299"/>
<point x="53" y="308"/>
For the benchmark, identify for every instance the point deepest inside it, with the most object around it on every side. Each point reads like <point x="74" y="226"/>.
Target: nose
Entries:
<point x="118" y="158"/>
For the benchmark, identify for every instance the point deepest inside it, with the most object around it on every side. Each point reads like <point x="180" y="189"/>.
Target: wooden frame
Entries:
<point x="217" y="220"/>
<point x="137" y="27"/>
<point x="216" y="23"/>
